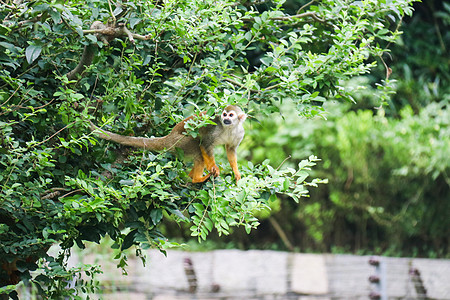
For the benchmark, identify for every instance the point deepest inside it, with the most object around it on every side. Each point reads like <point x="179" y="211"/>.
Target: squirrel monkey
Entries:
<point x="228" y="131"/>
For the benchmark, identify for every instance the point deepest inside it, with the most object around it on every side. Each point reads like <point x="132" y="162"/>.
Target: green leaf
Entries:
<point x="286" y="184"/>
<point x="4" y="290"/>
<point x="32" y="52"/>
<point x="56" y="16"/>
<point x="208" y="224"/>
<point x="133" y="22"/>
<point x="248" y="36"/>
<point x="128" y="241"/>
<point x="127" y="182"/>
<point x="302" y="175"/>
<point x="382" y="31"/>
<point x="241" y="196"/>
<point x="156" y="215"/>
<point x="92" y="38"/>
<point x="178" y="213"/>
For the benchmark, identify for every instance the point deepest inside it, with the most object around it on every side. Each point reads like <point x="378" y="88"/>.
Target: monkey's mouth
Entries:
<point x="227" y="122"/>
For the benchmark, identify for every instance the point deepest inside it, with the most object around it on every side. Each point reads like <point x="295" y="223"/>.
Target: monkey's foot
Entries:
<point x="200" y="179"/>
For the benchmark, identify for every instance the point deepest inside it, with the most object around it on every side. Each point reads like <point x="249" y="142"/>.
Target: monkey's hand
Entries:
<point x="237" y="175"/>
<point x="214" y="170"/>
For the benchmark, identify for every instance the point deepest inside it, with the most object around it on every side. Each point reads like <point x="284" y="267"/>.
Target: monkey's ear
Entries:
<point x="242" y="117"/>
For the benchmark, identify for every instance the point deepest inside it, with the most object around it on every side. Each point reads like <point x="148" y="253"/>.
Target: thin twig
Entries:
<point x="33" y="20"/>
<point x="54" y="189"/>
<point x="6" y="5"/>
<point x="300" y="16"/>
<point x="56" y="133"/>
<point x="288" y="18"/>
<point x="18" y="105"/>
<point x="388" y="70"/>
<point x="31" y="107"/>
<point x="112" y="13"/>
<point x="283" y="162"/>
<point x="240" y="85"/>
<point x="306" y="5"/>
<point x="18" y="87"/>
<point x="281" y="233"/>
<point x="273" y="86"/>
<point x="72" y="192"/>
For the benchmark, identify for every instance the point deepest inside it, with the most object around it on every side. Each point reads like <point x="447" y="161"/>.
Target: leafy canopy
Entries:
<point x="144" y="66"/>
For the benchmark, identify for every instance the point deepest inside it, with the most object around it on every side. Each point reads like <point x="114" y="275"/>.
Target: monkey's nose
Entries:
<point x="227" y="122"/>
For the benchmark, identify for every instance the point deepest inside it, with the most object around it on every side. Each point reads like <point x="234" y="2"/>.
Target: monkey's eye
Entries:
<point x="231" y="115"/>
<point x="224" y="114"/>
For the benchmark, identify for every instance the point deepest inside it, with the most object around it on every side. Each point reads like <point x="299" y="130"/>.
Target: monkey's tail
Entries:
<point x="155" y="144"/>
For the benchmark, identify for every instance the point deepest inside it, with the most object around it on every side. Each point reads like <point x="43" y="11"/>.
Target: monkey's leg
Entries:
<point x="210" y="162"/>
<point x="197" y="171"/>
<point x="232" y="159"/>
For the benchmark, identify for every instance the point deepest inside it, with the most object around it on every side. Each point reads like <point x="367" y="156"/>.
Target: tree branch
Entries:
<point x="240" y="85"/>
<point x="281" y="233"/>
<point x="105" y="34"/>
<point x="119" y="31"/>
<point x="288" y="18"/>
<point x="300" y="16"/>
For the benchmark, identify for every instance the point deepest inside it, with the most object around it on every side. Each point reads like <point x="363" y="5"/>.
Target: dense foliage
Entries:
<point x="421" y="60"/>
<point x="145" y="66"/>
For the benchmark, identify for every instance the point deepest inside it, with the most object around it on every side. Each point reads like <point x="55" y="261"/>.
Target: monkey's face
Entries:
<point x="229" y="117"/>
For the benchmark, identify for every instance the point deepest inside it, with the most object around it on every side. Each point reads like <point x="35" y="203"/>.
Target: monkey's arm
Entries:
<point x="232" y="159"/>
